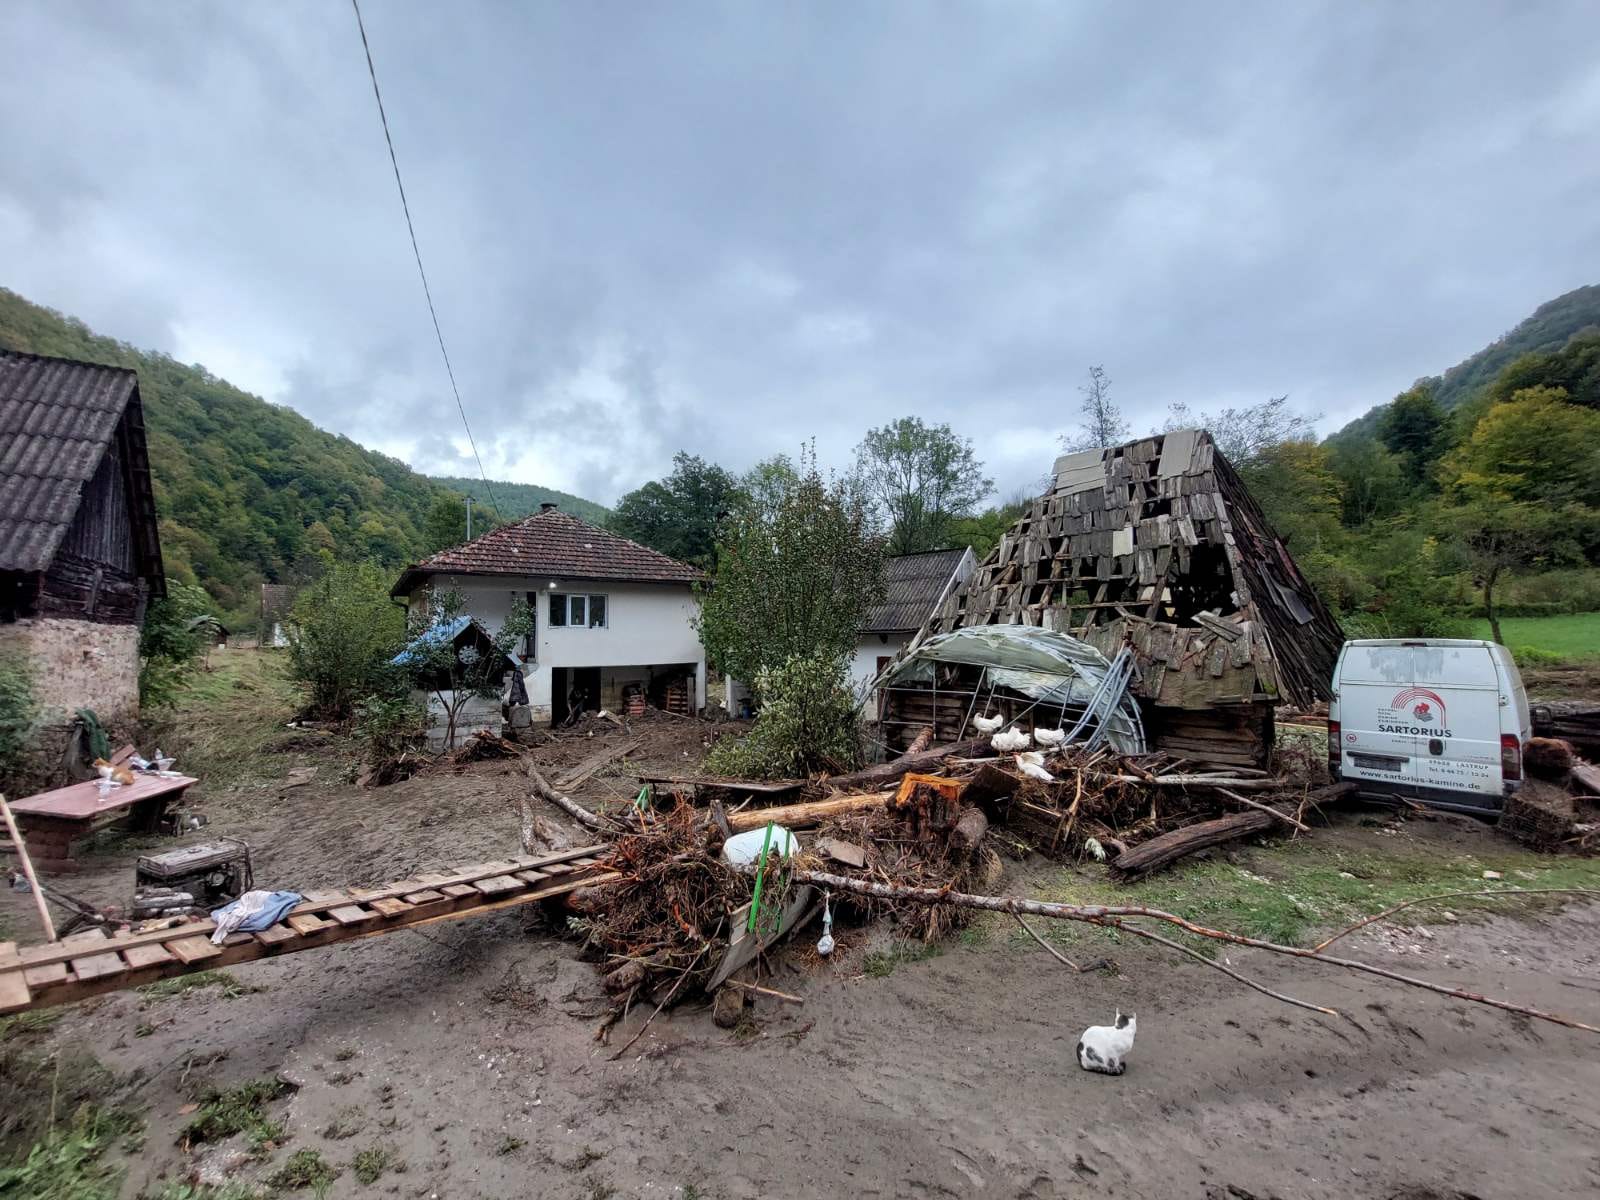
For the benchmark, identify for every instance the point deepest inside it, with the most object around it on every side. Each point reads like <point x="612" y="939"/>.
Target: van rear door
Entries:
<point x="1454" y="706"/>
<point x="1377" y="747"/>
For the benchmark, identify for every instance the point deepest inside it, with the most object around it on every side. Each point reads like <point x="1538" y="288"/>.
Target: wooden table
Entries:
<point x="52" y="821"/>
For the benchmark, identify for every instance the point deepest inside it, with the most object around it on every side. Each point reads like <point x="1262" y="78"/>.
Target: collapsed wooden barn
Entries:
<point x="1158" y="546"/>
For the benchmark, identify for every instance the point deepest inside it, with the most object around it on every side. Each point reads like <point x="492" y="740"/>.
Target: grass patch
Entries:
<point x="178" y="985"/>
<point x="880" y="964"/>
<point x="181" y="1190"/>
<point x="509" y="1145"/>
<point x="29" y="1024"/>
<point x="369" y="1165"/>
<point x="305" y="1169"/>
<point x="346" y="1123"/>
<point x="1294" y="891"/>
<point x="240" y="1109"/>
<point x="66" y="1165"/>
<point x="226" y="725"/>
<point x="1569" y="638"/>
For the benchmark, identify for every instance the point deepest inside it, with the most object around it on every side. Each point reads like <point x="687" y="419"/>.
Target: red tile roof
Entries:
<point x="552" y="543"/>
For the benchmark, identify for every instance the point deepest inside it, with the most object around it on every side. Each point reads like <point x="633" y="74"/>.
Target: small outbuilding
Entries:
<point x="1158" y="546"/>
<point x="80" y="555"/>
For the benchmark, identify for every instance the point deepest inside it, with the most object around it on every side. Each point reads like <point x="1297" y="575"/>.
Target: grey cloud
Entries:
<point x="731" y="227"/>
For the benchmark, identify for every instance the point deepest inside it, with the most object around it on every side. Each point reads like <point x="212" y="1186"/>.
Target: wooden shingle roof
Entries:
<point x="913" y="584"/>
<point x="553" y="543"/>
<point x="58" y="417"/>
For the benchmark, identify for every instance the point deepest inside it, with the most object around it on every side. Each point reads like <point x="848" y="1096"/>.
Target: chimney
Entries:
<point x="548" y="506"/>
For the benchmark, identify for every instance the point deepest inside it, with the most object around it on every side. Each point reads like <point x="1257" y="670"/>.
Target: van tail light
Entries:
<point x="1510" y="757"/>
<point x="1333" y="749"/>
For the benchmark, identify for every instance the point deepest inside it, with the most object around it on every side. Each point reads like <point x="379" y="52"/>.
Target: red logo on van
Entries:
<point x="1422" y="702"/>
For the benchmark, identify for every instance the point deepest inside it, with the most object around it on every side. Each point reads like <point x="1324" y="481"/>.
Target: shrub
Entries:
<point x="175" y="632"/>
<point x="1532" y="656"/>
<point x="810" y="719"/>
<point x="391" y="725"/>
<point x="343" y="632"/>
<point x="19" y="709"/>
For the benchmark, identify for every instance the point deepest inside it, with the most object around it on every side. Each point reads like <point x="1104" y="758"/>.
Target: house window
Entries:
<point x="577" y="610"/>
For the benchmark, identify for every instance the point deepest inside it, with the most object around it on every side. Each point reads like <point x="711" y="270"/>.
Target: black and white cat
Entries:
<point x="1105" y="1048"/>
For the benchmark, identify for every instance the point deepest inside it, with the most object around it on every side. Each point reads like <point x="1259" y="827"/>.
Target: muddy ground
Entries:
<point x="468" y="1049"/>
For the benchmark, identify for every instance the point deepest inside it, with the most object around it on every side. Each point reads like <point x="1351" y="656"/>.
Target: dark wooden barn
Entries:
<point x="1159" y="546"/>
<point x="80" y="556"/>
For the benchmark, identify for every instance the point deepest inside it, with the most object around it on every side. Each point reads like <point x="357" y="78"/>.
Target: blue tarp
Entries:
<point x="439" y="635"/>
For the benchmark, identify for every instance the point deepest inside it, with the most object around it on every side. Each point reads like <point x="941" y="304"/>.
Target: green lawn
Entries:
<point x="1573" y="638"/>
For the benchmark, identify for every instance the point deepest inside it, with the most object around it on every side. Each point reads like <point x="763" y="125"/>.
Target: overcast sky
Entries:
<point x="728" y="228"/>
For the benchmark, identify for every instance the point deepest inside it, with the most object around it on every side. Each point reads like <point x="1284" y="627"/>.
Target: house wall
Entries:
<point x="78" y="664"/>
<point x="864" y="662"/>
<point x="646" y="625"/>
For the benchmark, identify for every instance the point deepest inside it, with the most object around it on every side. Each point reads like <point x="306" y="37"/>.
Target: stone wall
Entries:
<point x="79" y="664"/>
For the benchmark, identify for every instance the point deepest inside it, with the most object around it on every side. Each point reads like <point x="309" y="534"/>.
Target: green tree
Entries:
<point x="1534" y="447"/>
<point x="1102" y="423"/>
<point x="1413" y="428"/>
<point x="446" y="523"/>
<point x="177" y="628"/>
<point x="19" y="709"/>
<point x="1372" y="482"/>
<point x="983" y="530"/>
<point x="1244" y="432"/>
<point x="810" y="719"/>
<point x="798" y="565"/>
<point x="432" y="662"/>
<point x="678" y="515"/>
<point x="922" y="478"/>
<point x="343" y="632"/>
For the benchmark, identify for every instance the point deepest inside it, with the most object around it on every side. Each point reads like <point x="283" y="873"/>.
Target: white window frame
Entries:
<point x="588" y="599"/>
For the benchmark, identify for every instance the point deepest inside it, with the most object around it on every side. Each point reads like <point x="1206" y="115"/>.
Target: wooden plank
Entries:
<point x="389" y="907"/>
<point x="580" y="773"/>
<point x="499" y="884"/>
<point x="45" y="975"/>
<point x="14" y="992"/>
<point x="427" y="896"/>
<point x="534" y="877"/>
<point x="95" y="965"/>
<point x="193" y="949"/>
<point x="457" y="891"/>
<point x="304" y="923"/>
<point x="350" y="914"/>
<point x="275" y="935"/>
<point x="146" y="956"/>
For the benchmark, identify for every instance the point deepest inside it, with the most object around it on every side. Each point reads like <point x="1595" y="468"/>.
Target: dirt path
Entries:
<point x="467" y="1050"/>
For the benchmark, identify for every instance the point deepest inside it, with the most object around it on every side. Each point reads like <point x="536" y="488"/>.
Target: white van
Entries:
<point x="1438" y="720"/>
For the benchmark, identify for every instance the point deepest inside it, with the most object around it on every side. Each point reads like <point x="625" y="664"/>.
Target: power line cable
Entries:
<point x="426" y="290"/>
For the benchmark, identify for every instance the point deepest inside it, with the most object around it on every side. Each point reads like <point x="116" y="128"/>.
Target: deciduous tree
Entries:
<point x="922" y="478"/>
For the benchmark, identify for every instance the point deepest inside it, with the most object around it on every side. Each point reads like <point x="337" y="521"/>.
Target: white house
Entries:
<point x="612" y="619"/>
<point x="914" y="585"/>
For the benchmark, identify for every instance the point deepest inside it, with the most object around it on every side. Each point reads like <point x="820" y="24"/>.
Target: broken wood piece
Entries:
<point x="922" y="741"/>
<point x="804" y="816"/>
<point x="389" y="907"/>
<point x="148" y="956"/>
<point x="1161" y="851"/>
<point x="580" y="774"/>
<point x="1266" y="808"/>
<point x="350" y="914"/>
<point x="848" y="853"/>
<point x="969" y="829"/>
<point x="193" y="949"/>
<point x="571" y="807"/>
<point x="884" y="774"/>
<point x="764" y="991"/>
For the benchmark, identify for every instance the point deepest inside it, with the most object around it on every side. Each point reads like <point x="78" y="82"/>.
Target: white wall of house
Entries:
<point x="870" y="648"/>
<point x="647" y="625"/>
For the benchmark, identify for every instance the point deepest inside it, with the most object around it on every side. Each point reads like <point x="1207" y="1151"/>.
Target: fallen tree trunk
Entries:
<point x="571" y="807"/>
<point x="1169" y="847"/>
<point x="1117" y="917"/>
<point x="804" y="816"/>
<point x="882" y="774"/>
<point x="922" y="741"/>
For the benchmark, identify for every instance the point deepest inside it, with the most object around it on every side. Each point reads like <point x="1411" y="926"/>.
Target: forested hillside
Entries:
<point x="250" y="491"/>
<point x="1550" y="327"/>
<point x="516" y="500"/>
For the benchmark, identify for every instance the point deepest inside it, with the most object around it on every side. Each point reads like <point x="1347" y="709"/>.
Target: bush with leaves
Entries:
<point x="810" y="719"/>
<point x="177" y="629"/>
<point x="19" y="709"/>
<point x="343" y="632"/>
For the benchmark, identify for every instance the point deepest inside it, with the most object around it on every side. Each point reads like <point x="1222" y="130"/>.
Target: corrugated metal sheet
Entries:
<point x="912" y="585"/>
<point x="56" y="419"/>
